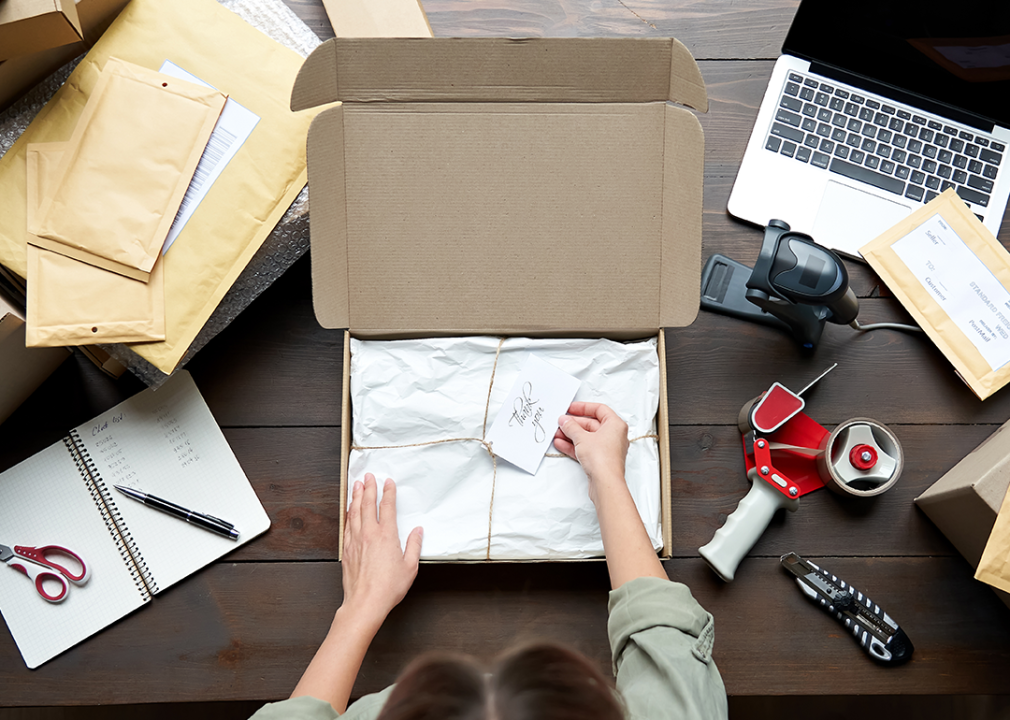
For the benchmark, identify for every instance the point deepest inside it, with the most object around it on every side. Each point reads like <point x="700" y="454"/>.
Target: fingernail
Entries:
<point x="388" y="483"/>
<point x="358" y="486"/>
<point x="561" y="420"/>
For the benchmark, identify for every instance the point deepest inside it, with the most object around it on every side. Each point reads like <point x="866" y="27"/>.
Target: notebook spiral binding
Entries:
<point x="142" y="576"/>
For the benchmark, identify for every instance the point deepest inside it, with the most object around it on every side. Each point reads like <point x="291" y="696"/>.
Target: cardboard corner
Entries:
<point x="687" y="86"/>
<point x="964" y="502"/>
<point x="316" y="82"/>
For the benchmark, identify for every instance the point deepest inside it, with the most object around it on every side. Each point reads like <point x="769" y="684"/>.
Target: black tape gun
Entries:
<point x="873" y="628"/>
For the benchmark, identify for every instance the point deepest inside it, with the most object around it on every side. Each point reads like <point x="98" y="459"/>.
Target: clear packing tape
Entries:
<point x="282" y="245"/>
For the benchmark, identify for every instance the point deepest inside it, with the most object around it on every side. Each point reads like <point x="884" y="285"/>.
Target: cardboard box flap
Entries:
<point x="983" y="472"/>
<point x="965" y="501"/>
<point x="500" y="70"/>
<point x="507" y="217"/>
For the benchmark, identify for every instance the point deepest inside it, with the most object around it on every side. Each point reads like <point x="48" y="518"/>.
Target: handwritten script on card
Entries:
<point x="523" y="430"/>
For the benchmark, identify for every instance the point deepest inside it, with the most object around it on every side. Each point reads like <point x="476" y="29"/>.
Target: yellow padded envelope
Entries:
<point x="126" y="168"/>
<point x="75" y="303"/>
<point x="251" y="195"/>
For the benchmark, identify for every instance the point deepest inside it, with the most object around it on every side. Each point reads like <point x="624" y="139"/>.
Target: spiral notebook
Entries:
<point x="164" y="442"/>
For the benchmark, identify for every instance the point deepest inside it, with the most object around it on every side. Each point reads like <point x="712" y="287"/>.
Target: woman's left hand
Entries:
<point x="376" y="572"/>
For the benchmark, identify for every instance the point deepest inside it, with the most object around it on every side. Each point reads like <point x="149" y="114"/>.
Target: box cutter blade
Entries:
<point x="873" y="628"/>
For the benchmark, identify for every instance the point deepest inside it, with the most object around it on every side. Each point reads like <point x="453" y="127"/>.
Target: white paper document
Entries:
<point x="419" y="413"/>
<point x="233" y="128"/>
<point x="962" y="285"/>
<point x="524" y="427"/>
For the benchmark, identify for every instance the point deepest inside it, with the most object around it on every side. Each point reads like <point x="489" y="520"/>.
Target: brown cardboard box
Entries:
<point x="22" y="369"/>
<point x="541" y="187"/>
<point x="20" y="74"/>
<point x="28" y="26"/>
<point x="965" y="501"/>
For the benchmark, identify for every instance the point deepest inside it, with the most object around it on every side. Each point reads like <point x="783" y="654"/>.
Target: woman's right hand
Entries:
<point x="597" y="437"/>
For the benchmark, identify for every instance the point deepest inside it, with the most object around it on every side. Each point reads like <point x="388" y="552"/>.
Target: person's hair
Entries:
<point x="535" y="682"/>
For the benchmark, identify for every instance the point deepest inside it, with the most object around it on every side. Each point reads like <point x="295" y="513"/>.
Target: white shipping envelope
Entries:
<point x="408" y="392"/>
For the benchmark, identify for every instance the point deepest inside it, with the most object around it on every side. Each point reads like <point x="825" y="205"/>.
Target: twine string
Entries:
<point x="485" y="443"/>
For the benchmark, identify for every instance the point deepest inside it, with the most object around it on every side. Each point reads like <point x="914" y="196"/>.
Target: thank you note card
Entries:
<point x="524" y="429"/>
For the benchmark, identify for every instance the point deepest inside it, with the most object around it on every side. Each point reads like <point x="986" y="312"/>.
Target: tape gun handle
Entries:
<point x="743" y="527"/>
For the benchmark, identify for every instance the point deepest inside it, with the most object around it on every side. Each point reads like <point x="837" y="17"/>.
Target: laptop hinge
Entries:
<point x="902" y="96"/>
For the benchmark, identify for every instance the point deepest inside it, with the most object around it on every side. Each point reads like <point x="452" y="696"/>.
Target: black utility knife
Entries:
<point x="873" y="628"/>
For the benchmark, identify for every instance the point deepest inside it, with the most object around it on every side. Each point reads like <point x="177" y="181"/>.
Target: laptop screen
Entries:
<point x="954" y="53"/>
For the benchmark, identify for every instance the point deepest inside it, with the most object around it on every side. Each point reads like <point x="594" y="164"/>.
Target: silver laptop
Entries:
<point x="873" y="109"/>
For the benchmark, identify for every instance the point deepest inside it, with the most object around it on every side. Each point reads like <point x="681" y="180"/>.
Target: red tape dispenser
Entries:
<point x="788" y="455"/>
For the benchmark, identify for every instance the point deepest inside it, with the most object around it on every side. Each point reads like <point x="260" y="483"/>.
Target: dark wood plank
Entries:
<point x="718" y="29"/>
<point x="717" y="364"/>
<point x="958" y="627"/>
<point x="721" y="29"/>
<point x="206" y="640"/>
<point x="296" y="475"/>
<point x="73" y="394"/>
<point x="274" y="365"/>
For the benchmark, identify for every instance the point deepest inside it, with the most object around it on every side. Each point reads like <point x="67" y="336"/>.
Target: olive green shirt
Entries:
<point x="661" y="640"/>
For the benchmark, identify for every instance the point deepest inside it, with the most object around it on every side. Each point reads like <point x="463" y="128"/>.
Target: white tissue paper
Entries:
<point x="405" y="392"/>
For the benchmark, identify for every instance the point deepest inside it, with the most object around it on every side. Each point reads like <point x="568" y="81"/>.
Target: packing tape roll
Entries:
<point x="861" y="458"/>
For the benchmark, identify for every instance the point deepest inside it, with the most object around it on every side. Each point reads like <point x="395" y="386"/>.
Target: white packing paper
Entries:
<point x="408" y="392"/>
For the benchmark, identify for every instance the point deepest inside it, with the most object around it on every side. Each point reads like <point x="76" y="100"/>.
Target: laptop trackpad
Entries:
<point x="848" y="218"/>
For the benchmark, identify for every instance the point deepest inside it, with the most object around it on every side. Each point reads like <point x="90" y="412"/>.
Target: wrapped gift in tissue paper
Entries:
<point x="421" y="408"/>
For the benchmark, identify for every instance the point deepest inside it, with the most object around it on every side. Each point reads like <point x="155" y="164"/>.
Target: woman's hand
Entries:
<point x="597" y="437"/>
<point x="376" y="572"/>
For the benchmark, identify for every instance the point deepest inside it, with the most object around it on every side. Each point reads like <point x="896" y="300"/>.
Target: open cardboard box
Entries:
<point x="537" y="187"/>
<point x="965" y="501"/>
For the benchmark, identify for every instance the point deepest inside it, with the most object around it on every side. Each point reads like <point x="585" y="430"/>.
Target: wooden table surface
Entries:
<point x="245" y="627"/>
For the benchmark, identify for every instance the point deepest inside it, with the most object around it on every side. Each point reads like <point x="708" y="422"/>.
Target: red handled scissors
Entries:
<point x="44" y="566"/>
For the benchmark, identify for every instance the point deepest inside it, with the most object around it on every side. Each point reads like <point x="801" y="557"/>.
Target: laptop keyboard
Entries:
<point x="881" y="143"/>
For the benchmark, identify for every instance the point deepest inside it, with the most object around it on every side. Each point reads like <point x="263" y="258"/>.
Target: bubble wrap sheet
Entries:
<point x="288" y="241"/>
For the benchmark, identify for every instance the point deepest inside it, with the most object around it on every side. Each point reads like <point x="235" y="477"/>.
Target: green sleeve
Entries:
<point x="309" y="708"/>
<point x="661" y="640"/>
